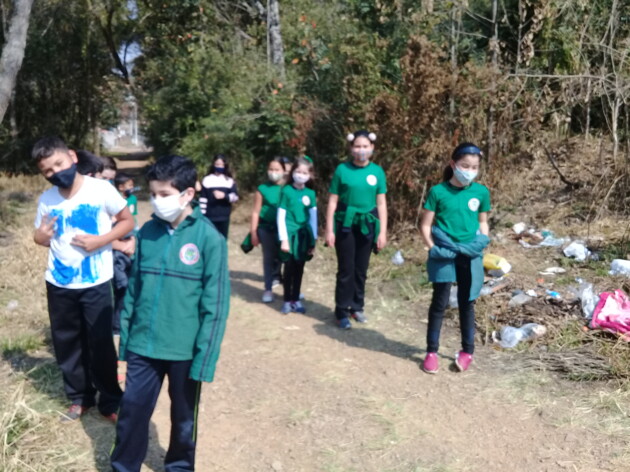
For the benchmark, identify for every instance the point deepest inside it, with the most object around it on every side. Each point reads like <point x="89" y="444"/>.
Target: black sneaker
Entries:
<point x="359" y="316"/>
<point x="74" y="413"/>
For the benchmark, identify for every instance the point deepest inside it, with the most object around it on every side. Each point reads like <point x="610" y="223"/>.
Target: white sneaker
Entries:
<point x="267" y="296"/>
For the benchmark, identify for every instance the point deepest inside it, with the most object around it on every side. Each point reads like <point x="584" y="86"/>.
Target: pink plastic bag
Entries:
<point x="612" y="314"/>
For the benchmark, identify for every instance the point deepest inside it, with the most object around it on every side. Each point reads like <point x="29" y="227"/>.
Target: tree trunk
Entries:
<point x="494" y="45"/>
<point x="13" y="52"/>
<point x="274" y="35"/>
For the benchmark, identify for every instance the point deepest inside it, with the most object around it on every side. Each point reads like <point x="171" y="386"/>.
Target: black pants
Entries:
<point x="271" y="264"/>
<point x="292" y="282"/>
<point x="222" y="227"/>
<point x="143" y="385"/>
<point x="353" y="258"/>
<point x="81" y="328"/>
<point x="439" y="302"/>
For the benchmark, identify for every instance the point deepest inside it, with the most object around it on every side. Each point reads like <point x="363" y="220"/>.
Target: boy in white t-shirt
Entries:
<point x="74" y="219"/>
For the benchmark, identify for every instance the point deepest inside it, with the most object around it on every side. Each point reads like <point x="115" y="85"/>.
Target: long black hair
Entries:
<point x="462" y="150"/>
<point x="223" y="157"/>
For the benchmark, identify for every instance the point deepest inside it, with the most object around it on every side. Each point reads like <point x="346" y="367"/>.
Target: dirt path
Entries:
<point x="294" y="393"/>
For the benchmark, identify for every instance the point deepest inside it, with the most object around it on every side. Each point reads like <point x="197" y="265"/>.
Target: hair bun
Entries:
<point x="350" y="137"/>
<point x="372" y="137"/>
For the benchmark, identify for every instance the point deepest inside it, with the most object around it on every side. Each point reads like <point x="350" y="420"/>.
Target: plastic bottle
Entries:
<point x="511" y="336"/>
<point x="620" y="267"/>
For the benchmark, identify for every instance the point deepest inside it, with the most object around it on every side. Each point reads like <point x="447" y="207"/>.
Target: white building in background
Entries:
<point x="126" y="135"/>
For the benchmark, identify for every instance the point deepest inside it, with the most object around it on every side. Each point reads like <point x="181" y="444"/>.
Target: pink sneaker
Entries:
<point x="430" y="364"/>
<point x="463" y="361"/>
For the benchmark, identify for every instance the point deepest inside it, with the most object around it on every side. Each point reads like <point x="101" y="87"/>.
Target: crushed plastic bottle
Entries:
<point x="587" y="298"/>
<point x="398" y="259"/>
<point x="554" y="294"/>
<point x="511" y="336"/>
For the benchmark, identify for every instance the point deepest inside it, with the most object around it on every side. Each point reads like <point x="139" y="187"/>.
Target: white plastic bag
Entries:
<point x="578" y="250"/>
<point x="620" y="267"/>
<point x="398" y="259"/>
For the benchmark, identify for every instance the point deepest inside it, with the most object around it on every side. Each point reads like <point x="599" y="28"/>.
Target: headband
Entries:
<point x="469" y="150"/>
<point x="308" y="158"/>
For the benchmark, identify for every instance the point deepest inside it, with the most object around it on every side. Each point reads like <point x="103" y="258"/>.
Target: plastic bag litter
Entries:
<point x="552" y="271"/>
<point x="587" y="297"/>
<point x="578" y="250"/>
<point x="398" y="259"/>
<point x="620" y="267"/>
<point x="452" y="299"/>
<point x="518" y="228"/>
<point x="519" y="299"/>
<point x="510" y="336"/>
<point x="548" y="241"/>
<point x="496" y="266"/>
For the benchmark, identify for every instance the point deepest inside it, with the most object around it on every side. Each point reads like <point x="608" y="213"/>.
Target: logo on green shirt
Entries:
<point x="473" y="204"/>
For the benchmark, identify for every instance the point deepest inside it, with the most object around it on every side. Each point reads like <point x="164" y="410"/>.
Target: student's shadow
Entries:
<point x="44" y="376"/>
<point x="361" y="337"/>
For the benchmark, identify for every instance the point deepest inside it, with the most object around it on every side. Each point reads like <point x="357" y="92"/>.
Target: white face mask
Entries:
<point x="300" y="178"/>
<point x="168" y="208"/>
<point x="275" y="176"/>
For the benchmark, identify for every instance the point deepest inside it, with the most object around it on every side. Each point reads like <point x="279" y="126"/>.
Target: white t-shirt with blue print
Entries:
<point x="89" y="211"/>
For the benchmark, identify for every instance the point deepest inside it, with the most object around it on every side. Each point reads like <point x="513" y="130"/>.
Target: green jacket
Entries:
<point x="441" y="262"/>
<point x="178" y="298"/>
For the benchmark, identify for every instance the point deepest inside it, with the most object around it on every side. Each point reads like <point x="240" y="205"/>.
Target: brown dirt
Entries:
<point x="294" y="393"/>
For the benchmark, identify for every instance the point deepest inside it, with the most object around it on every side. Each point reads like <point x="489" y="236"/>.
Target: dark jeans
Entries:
<point x="143" y="384"/>
<point x="353" y="258"/>
<point x="222" y="226"/>
<point x="271" y="264"/>
<point x="439" y="302"/>
<point x="81" y="329"/>
<point x="293" y="272"/>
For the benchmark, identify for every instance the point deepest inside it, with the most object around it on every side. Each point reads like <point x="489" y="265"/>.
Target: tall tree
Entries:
<point x="13" y="51"/>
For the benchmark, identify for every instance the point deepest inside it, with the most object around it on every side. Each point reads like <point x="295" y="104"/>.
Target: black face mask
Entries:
<point x="219" y="170"/>
<point x="129" y="192"/>
<point x="64" y="178"/>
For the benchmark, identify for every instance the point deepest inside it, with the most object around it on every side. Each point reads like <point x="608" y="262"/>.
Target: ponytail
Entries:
<point x="447" y="174"/>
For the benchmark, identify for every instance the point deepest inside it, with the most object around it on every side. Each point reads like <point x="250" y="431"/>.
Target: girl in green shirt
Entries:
<point x="297" y="230"/>
<point x="263" y="229"/>
<point x="356" y="223"/>
<point x="455" y="228"/>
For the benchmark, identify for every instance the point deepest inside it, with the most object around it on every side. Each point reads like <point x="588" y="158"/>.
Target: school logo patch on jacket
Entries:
<point x="189" y="254"/>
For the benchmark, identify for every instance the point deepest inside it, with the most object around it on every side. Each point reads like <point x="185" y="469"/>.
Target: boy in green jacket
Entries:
<point x="173" y="319"/>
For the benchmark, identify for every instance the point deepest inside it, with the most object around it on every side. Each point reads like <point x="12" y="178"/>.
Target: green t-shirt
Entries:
<point x="271" y="199"/>
<point x="132" y="203"/>
<point x="358" y="186"/>
<point x="297" y="204"/>
<point x="457" y="209"/>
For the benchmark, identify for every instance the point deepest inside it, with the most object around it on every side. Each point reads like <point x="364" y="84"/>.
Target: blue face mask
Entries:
<point x="465" y="177"/>
<point x="219" y="170"/>
<point x="64" y="178"/>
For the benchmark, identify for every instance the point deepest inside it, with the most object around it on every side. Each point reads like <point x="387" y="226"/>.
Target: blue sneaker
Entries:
<point x="297" y="307"/>
<point x="359" y="316"/>
<point x="286" y="308"/>
<point x="344" y="323"/>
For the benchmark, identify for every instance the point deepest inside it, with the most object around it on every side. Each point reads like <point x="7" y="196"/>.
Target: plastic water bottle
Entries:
<point x="620" y="267"/>
<point x="511" y="336"/>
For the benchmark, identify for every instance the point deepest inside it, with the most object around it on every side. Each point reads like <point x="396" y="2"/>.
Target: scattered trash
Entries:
<point x="612" y="314"/>
<point x="587" y="297"/>
<point x="553" y="294"/>
<point x="547" y="241"/>
<point x="398" y="259"/>
<point x="452" y="299"/>
<point x="494" y="285"/>
<point x="553" y="271"/>
<point x="620" y="267"/>
<point x="578" y="250"/>
<point x="496" y="266"/>
<point x="518" y="228"/>
<point x="510" y="336"/>
<point x="519" y="299"/>
<point x="12" y="305"/>
<point x="532" y="293"/>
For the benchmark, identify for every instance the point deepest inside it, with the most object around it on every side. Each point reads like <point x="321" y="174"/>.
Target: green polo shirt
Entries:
<point x="297" y="203"/>
<point x="270" y="200"/>
<point x="457" y="209"/>
<point x="358" y="186"/>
